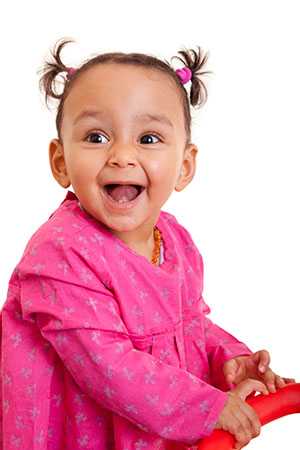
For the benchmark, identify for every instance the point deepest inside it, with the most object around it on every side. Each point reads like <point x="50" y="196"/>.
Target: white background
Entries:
<point x="242" y="208"/>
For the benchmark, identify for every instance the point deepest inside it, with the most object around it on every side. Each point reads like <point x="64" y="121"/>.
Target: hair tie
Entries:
<point x="70" y="72"/>
<point x="185" y="74"/>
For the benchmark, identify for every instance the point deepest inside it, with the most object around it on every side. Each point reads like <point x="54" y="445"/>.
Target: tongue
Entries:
<point x="124" y="192"/>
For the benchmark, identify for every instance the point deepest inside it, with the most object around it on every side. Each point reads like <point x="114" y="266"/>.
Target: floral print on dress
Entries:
<point x="100" y="349"/>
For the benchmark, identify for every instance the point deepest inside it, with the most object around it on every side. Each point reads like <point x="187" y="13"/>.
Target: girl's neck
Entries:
<point x="141" y="247"/>
<point x="142" y="243"/>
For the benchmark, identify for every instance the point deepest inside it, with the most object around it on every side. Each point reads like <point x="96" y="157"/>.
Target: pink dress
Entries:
<point x="100" y="349"/>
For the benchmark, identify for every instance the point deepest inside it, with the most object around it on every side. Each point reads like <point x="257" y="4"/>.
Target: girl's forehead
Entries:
<point x="116" y="86"/>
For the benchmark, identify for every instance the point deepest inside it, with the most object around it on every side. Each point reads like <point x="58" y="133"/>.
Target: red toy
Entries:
<point x="268" y="407"/>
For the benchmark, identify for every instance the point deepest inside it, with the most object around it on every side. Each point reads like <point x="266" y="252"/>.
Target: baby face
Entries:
<point x="123" y="123"/>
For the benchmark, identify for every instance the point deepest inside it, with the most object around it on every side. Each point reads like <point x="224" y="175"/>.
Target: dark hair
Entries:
<point x="195" y="60"/>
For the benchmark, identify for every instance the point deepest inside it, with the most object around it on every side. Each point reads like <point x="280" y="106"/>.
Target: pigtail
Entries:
<point x="50" y="70"/>
<point x="195" y="60"/>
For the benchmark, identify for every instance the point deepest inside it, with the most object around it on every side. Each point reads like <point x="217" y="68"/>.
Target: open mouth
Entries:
<point x="123" y="193"/>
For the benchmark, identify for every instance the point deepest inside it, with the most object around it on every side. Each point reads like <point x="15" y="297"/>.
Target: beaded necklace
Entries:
<point x="156" y="250"/>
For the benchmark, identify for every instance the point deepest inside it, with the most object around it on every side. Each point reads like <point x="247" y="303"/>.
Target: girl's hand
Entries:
<point x="256" y="367"/>
<point x="248" y="386"/>
<point x="238" y="417"/>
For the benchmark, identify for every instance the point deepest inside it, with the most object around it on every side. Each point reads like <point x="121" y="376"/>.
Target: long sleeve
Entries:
<point x="79" y="316"/>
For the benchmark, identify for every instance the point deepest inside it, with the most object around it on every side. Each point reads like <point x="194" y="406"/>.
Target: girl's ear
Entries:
<point x="58" y="163"/>
<point x="188" y="167"/>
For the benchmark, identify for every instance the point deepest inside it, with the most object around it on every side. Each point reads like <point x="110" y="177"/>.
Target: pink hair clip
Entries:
<point x="70" y="72"/>
<point x="185" y="74"/>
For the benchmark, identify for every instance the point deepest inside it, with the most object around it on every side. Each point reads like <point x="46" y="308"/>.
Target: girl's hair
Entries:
<point x="195" y="60"/>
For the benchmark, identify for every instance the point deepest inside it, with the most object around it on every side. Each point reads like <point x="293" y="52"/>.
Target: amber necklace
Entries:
<point x="156" y="250"/>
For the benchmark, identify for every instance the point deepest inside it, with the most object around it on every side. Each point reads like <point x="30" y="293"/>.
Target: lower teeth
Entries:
<point x="123" y="200"/>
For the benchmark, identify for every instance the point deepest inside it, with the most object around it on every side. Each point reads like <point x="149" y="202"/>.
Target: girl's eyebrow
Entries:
<point x="144" y="116"/>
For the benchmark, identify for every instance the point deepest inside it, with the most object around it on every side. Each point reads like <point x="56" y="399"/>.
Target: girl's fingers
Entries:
<point x="248" y="386"/>
<point x="280" y="382"/>
<point x="236" y="374"/>
<point x="269" y="379"/>
<point x="289" y="380"/>
<point x="264" y="360"/>
<point x="230" y="370"/>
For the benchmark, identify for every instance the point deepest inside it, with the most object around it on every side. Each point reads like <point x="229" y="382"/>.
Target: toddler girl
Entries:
<point x="105" y="343"/>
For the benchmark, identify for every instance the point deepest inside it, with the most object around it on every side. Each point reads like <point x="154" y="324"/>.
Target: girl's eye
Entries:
<point x="148" y="139"/>
<point x="96" y="141"/>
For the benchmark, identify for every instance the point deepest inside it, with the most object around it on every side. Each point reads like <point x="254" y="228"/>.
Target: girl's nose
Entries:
<point x="122" y="155"/>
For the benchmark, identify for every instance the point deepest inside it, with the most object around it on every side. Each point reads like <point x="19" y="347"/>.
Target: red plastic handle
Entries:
<point x="268" y="407"/>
